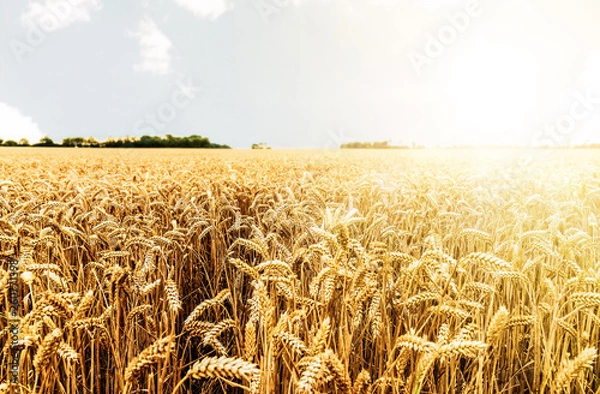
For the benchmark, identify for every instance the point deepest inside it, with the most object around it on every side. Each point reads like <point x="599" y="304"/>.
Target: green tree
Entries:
<point x="46" y="141"/>
<point x="91" y="141"/>
<point x="73" y="141"/>
<point x="23" y="142"/>
<point x="147" y="141"/>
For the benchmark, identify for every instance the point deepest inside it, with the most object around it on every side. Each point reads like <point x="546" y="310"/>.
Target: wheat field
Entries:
<point x="186" y="271"/>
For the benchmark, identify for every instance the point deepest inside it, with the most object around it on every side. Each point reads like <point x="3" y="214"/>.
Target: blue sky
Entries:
<point x="303" y="73"/>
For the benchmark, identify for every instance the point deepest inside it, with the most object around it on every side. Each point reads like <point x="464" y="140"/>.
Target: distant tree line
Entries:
<point x="196" y="141"/>
<point x="22" y="142"/>
<point x="146" y="141"/>
<point x="372" y="145"/>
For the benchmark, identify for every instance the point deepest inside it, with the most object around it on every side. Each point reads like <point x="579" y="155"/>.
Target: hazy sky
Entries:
<point x="303" y="73"/>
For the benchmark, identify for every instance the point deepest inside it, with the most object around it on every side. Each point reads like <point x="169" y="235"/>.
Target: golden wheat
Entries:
<point x="366" y="272"/>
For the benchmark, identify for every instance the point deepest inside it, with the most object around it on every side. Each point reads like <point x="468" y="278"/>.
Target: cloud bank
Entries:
<point x="14" y="125"/>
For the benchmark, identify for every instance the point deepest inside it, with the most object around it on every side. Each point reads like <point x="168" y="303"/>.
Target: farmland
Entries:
<point x="413" y="271"/>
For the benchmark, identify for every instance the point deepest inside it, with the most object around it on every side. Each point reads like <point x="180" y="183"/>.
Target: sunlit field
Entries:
<point x="406" y="271"/>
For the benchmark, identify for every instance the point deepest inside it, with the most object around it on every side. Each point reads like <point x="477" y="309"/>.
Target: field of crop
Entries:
<point x="186" y="271"/>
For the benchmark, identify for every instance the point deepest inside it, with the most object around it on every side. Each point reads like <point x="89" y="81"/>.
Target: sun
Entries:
<point x="491" y="91"/>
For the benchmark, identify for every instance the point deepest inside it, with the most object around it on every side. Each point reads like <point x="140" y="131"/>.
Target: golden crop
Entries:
<point x="176" y="271"/>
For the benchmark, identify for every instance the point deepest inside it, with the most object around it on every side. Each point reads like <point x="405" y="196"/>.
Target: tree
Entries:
<point x="381" y="145"/>
<point x="92" y="142"/>
<point x="23" y="142"/>
<point x="260" y="145"/>
<point x="112" y="143"/>
<point x="147" y="141"/>
<point x="10" y="143"/>
<point x="73" y="141"/>
<point x="129" y="142"/>
<point x="46" y="141"/>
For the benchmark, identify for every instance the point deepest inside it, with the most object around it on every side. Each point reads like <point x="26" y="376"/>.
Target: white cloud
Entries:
<point x="211" y="9"/>
<point x="14" y="125"/>
<point x="57" y="14"/>
<point x="154" y="48"/>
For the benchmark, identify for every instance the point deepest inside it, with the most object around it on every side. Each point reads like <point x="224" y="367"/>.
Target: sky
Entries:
<point x="303" y="73"/>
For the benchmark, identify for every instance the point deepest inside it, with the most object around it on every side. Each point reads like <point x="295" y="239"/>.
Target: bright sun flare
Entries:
<point x="491" y="90"/>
